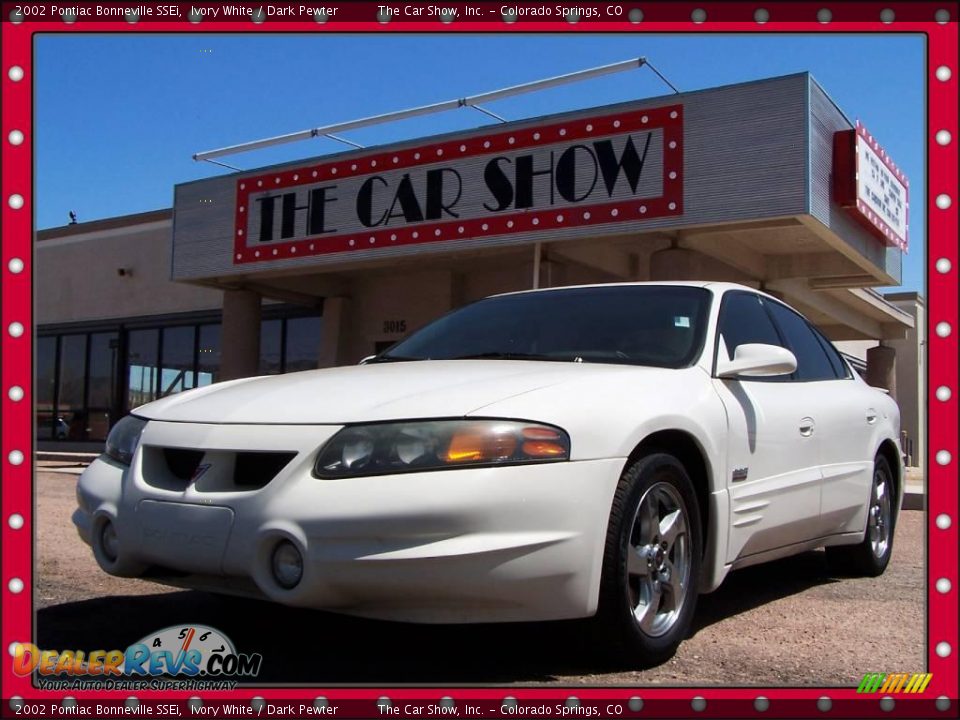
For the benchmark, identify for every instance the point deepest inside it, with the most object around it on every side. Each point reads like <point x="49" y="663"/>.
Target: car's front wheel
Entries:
<point x="872" y="555"/>
<point x="651" y="567"/>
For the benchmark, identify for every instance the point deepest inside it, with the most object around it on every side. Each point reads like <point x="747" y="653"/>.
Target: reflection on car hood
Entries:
<point x="387" y="391"/>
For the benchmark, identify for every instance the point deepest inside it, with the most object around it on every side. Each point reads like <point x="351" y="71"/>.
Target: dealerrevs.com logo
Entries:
<point x="177" y="657"/>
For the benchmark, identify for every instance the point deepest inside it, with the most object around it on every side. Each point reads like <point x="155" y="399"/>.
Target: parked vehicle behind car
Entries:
<point x="604" y="451"/>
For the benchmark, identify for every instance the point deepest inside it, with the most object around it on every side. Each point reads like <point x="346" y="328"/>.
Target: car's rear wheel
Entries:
<point x="648" y="589"/>
<point x="871" y="556"/>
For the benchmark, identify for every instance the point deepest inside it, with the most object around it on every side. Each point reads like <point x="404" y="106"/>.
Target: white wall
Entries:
<point x="76" y="279"/>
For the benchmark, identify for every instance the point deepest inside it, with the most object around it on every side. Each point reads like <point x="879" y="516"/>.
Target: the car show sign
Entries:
<point x="870" y="186"/>
<point x="602" y="170"/>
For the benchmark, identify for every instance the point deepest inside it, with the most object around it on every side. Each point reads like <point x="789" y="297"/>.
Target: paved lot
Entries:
<point x="785" y="623"/>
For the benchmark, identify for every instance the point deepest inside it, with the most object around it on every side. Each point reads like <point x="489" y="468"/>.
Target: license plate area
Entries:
<point x="182" y="536"/>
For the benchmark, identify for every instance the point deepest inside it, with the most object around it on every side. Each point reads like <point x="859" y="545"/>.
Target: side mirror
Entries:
<point x="758" y="360"/>
<point x="367" y="359"/>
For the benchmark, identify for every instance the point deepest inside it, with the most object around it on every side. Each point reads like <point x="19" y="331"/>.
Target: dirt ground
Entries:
<point x="785" y="623"/>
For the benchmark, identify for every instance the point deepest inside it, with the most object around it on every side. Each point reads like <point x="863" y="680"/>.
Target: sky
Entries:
<point x="118" y="117"/>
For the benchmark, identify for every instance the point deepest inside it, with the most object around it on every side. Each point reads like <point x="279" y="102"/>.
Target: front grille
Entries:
<point x="256" y="469"/>
<point x="211" y="470"/>
<point x="182" y="463"/>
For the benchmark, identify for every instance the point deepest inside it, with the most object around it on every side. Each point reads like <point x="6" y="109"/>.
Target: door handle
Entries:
<point x="806" y="426"/>
<point x="871" y="416"/>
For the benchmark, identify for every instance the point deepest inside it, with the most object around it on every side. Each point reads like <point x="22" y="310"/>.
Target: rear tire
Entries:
<point x="870" y="557"/>
<point x="651" y="564"/>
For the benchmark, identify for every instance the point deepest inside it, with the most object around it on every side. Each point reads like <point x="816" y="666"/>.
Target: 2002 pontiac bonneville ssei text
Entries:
<point x="608" y="451"/>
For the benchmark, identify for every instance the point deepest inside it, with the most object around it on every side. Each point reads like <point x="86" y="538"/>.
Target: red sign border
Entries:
<point x="668" y="118"/>
<point x="846" y="172"/>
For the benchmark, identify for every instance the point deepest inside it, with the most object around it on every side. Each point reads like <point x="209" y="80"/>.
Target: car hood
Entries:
<point x="384" y="391"/>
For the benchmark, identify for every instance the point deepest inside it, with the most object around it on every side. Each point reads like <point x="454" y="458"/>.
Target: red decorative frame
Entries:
<point x="942" y="281"/>
<point x="669" y="119"/>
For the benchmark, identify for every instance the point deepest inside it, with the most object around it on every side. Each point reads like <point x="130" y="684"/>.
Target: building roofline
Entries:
<point x="109" y="223"/>
<point x="815" y="83"/>
<point x="336" y="156"/>
<point x="905" y="295"/>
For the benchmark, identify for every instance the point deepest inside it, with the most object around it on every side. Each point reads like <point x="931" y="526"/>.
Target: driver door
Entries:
<point x="773" y="451"/>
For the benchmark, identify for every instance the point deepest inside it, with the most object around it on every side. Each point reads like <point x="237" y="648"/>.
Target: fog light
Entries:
<point x="287" y="565"/>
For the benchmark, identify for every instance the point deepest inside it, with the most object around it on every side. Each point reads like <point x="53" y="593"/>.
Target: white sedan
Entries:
<point x="608" y="451"/>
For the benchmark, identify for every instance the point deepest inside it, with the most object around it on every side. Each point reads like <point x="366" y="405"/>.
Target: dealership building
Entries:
<point x="324" y="261"/>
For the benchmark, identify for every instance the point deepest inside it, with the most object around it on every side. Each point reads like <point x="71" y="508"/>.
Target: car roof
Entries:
<point x="718" y="287"/>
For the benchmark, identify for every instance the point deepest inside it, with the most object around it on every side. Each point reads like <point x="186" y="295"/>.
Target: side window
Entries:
<point x="812" y="360"/>
<point x="840" y="368"/>
<point x="743" y="320"/>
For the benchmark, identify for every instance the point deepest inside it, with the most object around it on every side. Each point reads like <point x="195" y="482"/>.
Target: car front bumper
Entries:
<point x="469" y="545"/>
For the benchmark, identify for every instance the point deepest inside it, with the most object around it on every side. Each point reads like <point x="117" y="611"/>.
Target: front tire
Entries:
<point x="871" y="557"/>
<point x="651" y="565"/>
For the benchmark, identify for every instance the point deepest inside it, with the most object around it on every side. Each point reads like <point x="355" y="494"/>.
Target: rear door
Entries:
<point x="773" y="441"/>
<point x="846" y="418"/>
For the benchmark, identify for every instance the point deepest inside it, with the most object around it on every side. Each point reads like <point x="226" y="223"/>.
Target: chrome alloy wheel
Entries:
<point x="878" y="520"/>
<point x="658" y="559"/>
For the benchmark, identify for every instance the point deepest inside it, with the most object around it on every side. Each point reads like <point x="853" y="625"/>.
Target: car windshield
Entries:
<point x="660" y="325"/>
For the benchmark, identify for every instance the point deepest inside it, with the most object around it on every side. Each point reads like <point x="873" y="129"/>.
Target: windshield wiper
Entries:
<point x="393" y="358"/>
<point x="511" y="356"/>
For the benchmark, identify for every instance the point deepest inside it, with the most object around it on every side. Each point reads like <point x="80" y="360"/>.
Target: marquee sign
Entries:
<point x="870" y="186"/>
<point x="589" y="171"/>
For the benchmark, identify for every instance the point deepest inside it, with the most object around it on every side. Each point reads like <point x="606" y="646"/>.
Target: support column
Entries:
<point x="334" y="341"/>
<point x="882" y="368"/>
<point x="240" y="334"/>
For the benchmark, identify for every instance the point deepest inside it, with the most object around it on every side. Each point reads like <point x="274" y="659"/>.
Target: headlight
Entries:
<point x="123" y="439"/>
<point x="384" y="448"/>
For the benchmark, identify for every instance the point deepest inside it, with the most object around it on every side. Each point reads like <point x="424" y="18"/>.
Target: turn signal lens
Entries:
<point x="540" y="432"/>
<point x="543" y="442"/>
<point x="473" y="446"/>
<point x="543" y="449"/>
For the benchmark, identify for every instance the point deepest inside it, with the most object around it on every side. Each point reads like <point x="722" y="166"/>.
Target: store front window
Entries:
<point x="70" y="403"/>
<point x="101" y="384"/>
<point x="46" y="368"/>
<point x="177" y="367"/>
<point x="302" y="343"/>
<point x="290" y="344"/>
<point x="271" y="347"/>
<point x="86" y="381"/>
<point x="142" y="348"/>
<point x="208" y="355"/>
